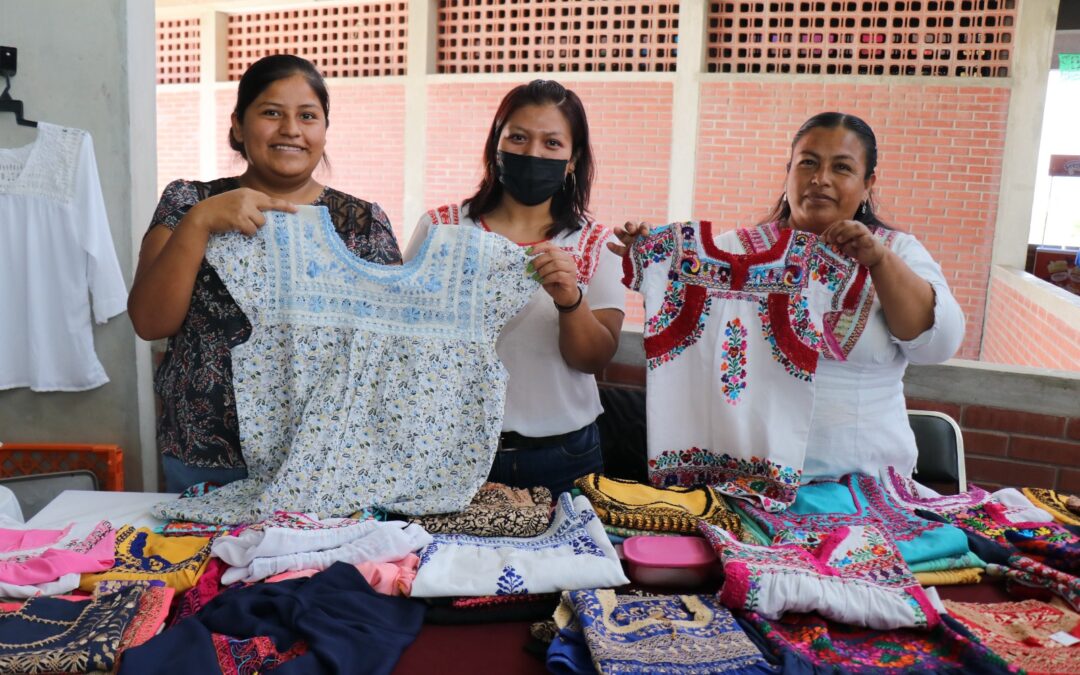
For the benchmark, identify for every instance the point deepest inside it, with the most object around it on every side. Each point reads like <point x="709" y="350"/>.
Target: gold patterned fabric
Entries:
<point x="966" y="575"/>
<point x="47" y="635"/>
<point x="143" y="555"/>
<point x="1054" y="503"/>
<point x="625" y="503"/>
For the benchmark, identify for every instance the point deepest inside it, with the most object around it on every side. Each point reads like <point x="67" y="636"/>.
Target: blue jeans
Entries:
<point x="552" y="466"/>
<point x="180" y="476"/>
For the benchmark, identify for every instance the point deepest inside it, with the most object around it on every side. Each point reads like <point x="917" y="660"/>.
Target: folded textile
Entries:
<point x="141" y="554"/>
<point x="48" y="562"/>
<point x="954" y="577"/>
<point x="205" y="589"/>
<point x="855" y="575"/>
<point x="344" y="625"/>
<point x="289" y="542"/>
<point x="49" y="635"/>
<point x="1054" y="503"/>
<point x="860" y="500"/>
<point x="1020" y="632"/>
<point x="492" y="609"/>
<point x="676" y="634"/>
<point x="389" y="578"/>
<point x="496" y="511"/>
<point x="568" y="654"/>
<point x="1027" y="572"/>
<point x="626" y="503"/>
<point x="909" y="494"/>
<point x="960" y="562"/>
<point x="1015" y="507"/>
<point x="573" y="553"/>
<point x="809" y="644"/>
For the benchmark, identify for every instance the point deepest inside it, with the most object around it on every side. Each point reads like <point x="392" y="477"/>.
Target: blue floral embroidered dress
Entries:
<point x="362" y="384"/>
<point x="735" y="323"/>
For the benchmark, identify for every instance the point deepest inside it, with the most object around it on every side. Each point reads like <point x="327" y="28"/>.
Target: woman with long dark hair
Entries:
<point x="279" y="127"/>
<point x="538" y="172"/>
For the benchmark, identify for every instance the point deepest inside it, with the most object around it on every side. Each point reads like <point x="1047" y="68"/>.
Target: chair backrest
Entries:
<point x="941" y="450"/>
<point x="622" y="434"/>
<point x="34" y="492"/>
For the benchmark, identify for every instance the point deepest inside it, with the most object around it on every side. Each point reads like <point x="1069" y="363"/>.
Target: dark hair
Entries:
<point x="265" y="72"/>
<point x="571" y="203"/>
<point x="831" y="120"/>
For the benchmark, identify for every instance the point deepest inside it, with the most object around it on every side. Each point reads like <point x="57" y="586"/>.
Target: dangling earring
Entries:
<point x="862" y="209"/>
<point x="783" y="200"/>
<point x="573" y="182"/>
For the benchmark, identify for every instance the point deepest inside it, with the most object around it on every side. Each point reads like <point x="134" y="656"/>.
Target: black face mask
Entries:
<point x="530" y="180"/>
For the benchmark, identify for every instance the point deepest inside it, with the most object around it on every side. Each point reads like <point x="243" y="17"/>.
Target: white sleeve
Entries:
<point x="605" y="288"/>
<point x="419" y="235"/>
<point x="102" y="269"/>
<point x="939" y="342"/>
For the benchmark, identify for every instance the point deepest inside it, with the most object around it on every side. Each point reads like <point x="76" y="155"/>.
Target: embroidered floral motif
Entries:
<point x="733" y="367"/>
<point x="1020" y="632"/>
<point x="773" y="484"/>
<point x="678" y="325"/>
<point x="774" y="335"/>
<point x="511" y="583"/>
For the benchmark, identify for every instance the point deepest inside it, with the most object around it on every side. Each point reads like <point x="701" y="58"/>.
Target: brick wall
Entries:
<point x="177" y="135"/>
<point x="1021" y="332"/>
<point x="1011" y="448"/>
<point x="939" y="169"/>
<point x="1002" y="447"/>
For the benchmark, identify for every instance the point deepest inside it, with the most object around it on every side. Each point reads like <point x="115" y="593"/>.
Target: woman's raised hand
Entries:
<point x="856" y="241"/>
<point x="626" y="235"/>
<point x="239" y="210"/>
<point x="556" y="270"/>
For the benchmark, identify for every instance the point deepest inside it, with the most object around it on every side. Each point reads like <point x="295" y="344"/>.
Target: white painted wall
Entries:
<point x="90" y="64"/>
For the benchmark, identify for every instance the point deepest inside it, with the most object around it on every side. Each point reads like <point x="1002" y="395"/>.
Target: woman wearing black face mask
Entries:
<point x="535" y="191"/>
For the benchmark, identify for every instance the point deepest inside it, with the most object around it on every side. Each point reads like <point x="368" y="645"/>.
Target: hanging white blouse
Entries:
<point x="734" y="327"/>
<point x="55" y="252"/>
<point x="545" y="396"/>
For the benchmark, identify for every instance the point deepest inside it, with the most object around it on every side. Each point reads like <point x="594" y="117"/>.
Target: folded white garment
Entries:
<point x="574" y="553"/>
<point x="65" y="584"/>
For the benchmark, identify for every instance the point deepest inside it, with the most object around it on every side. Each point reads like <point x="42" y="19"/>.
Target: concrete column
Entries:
<point x="423" y="36"/>
<point x="685" y="108"/>
<point x="1032" y="49"/>
<point x="213" y="68"/>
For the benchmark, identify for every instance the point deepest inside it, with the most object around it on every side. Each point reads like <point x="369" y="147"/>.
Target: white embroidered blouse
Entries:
<point x="362" y="384"/>
<point x="545" y="396"/>
<point x="55" y="253"/>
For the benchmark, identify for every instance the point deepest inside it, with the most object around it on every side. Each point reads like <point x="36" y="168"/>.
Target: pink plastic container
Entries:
<point x="682" y="562"/>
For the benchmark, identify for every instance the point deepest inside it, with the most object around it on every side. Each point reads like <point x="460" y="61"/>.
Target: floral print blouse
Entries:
<point x="197" y="422"/>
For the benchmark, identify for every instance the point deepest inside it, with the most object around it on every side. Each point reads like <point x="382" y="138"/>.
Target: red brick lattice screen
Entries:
<point x="951" y="38"/>
<point x="513" y="36"/>
<point x="354" y="40"/>
<point x="178" y="51"/>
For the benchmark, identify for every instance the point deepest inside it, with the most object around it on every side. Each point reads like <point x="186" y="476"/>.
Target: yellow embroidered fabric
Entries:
<point x="143" y="555"/>
<point x="1054" y="503"/>
<point x="964" y="575"/>
<point x="625" y="503"/>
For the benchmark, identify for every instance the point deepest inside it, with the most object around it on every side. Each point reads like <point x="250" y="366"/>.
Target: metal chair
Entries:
<point x="941" y="450"/>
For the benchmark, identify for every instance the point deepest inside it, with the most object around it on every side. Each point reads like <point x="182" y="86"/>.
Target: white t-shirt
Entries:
<point x="544" y="395"/>
<point x="860" y="416"/>
<point x="55" y="250"/>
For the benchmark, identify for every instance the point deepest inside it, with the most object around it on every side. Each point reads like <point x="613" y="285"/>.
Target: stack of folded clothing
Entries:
<point x="141" y="555"/>
<point x="51" y="562"/>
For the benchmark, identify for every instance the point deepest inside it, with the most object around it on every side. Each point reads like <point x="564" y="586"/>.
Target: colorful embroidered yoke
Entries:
<point x="806" y="644"/>
<point x="1020" y="632"/>
<point x="733" y="332"/>
<point x="362" y="384"/>
<point x="142" y="555"/>
<point x="855" y="576"/>
<point x="572" y="554"/>
<point x="858" y="499"/>
<point x="675" y="634"/>
<point x="59" y="636"/>
<point x="626" y="503"/>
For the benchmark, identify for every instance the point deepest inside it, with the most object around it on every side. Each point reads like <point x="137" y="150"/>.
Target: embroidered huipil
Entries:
<point x="733" y="332"/>
<point x="362" y="384"/>
<point x="55" y="252"/>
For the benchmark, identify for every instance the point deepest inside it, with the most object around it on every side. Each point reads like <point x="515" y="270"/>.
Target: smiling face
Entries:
<point x="825" y="182"/>
<point x="283" y="131"/>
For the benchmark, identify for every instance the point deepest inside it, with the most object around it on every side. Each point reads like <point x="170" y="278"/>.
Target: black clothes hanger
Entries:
<point x="7" y="103"/>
